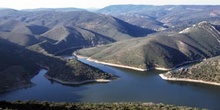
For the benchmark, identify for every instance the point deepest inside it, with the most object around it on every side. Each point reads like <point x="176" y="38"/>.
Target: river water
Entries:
<point x="132" y="86"/>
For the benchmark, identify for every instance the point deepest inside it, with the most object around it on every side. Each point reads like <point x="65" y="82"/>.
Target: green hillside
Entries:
<point x="162" y="50"/>
<point x="18" y="65"/>
<point x="207" y="70"/>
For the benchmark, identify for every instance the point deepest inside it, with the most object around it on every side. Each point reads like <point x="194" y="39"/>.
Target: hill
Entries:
<point x="56" y="31"/>
<point x="19" y="38"/>
<point x="62" y="37"/>
<point x="99" y="23"/>
<point x="20" y="33"/>
<point x="207" y="71"/>
<point x="17" y="68"/>
<point x="162" y="50"/>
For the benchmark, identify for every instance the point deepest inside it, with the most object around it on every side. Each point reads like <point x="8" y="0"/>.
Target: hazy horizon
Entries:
<point x="85" y="4"/>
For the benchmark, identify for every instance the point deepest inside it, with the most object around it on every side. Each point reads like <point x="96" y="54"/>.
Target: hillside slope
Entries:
<point x="165" y="50"/>
<point x="105" y="25"/>
<point x="206" y="71"/>
<point x="17" y="67"/>
<point x="63" y="37"/>
<point x="19" y="38"/>
<point x="56" y="31"/>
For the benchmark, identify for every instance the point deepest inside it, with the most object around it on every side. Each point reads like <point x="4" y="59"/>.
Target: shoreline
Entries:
<point x="135" y="68"/>
<point x="72" y="83"/>
<point x="116" y="65"/>
<point x="157" y="68"/>
<point x="121" y="66"/>
<point x="77" y="83"/>
<point x="22" y="86"/>
<point x="188" y="80"/>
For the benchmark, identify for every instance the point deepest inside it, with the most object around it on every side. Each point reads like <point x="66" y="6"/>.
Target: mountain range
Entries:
<point x="160" y="17"/>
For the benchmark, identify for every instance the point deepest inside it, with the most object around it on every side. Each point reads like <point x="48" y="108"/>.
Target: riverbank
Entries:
<point x="16" y="80"/>
<point x="121" y="66"/>
<point x="188" y="80"/>
<point x="116" y="65"/>
<point x="77" y="83"/>
<point x="21" y="86"/>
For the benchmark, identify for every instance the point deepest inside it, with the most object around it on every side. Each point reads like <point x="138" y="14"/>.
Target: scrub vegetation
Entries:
<point x="34" y="105"/>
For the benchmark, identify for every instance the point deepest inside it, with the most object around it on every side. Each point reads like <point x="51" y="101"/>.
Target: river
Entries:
<point x="132" y="86"/>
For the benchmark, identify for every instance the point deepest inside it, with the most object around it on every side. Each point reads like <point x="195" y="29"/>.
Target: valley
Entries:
<point x="109" y="45"/>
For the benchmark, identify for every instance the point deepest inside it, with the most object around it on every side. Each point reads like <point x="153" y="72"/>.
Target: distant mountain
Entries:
<point x="124" y="9"/>
<point x="54" y="9"/>
<point x="143" y="21"/>
<point x="177" y="16"/>
<point x="162" y="50"/>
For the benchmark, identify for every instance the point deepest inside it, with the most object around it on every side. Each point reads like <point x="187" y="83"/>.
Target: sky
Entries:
<point x="31" y="4"/>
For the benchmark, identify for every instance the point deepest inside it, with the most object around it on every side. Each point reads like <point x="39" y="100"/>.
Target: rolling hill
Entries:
<point x="56" y="31"/>
<point x="99" y="23"/>
<point x="162" y="50"/>
<point x="63" y="37"/>
<point x="19" y="38"/>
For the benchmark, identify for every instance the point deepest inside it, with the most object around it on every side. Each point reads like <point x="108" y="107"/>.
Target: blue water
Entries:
<point x="132" y="86"/>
